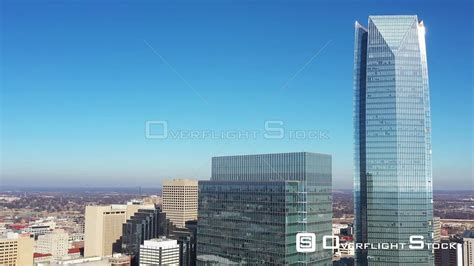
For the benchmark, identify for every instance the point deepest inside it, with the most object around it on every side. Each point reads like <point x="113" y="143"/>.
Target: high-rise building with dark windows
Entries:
<point x="393" y="179"/>
<point x="186" y="238"/>
<point x="254" y="205"/>
<point x="145" y="224"/>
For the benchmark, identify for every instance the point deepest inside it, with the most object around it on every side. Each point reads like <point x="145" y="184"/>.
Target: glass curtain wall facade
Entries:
<point x="254" y="205"/>
<point x="392" y="121"/>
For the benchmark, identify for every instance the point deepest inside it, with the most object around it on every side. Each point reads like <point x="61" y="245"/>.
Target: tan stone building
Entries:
<point x="468" y="252"/>
<point x="103" y="226"/>
<point x="180" y="200"/>
<point x="16" y="250"/>
<point x="55" y="243"/>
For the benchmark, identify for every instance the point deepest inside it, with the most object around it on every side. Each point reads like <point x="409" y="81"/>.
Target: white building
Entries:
<point x="39" y="229"/>
<point x="49" y="222"/>
<point x="55" y="243"/>
<point x="159" y="251"/>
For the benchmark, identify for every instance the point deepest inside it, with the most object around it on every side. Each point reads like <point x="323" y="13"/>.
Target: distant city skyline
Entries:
<point x="79" y="86"/>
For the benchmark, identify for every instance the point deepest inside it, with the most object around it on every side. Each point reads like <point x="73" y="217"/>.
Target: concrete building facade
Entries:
<point x="16" y="250"/>
<point x="103" y="227"/>
<point x="159" y="251"/>
<point x="55" y="243"/>
<point x="180" y="200"/>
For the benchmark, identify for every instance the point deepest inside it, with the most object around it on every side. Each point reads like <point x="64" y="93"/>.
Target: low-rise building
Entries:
<point x="116" y="259"/>
<point x="55" y="243"/>
<point x="159" y="251"/>
<point x="42" y="259"/>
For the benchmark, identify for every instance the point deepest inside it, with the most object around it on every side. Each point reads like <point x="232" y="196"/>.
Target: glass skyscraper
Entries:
<point x="254" y="205"/>
<point x="393" y="180"/>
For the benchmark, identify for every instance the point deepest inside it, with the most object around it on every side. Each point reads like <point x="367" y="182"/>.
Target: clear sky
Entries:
<point x="81" y="78"/>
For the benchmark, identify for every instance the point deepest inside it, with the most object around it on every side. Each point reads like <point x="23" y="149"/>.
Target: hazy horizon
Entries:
<point x="154" y="90"/>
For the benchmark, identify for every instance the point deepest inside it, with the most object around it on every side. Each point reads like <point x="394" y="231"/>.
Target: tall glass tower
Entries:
<point x="254" y="205"/>
<point x="393" y="180"/>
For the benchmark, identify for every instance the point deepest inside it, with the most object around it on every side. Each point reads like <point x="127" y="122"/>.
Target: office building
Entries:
<point x="191" y="226"/>
<point x="40" y="229"/>
<point x="393" y="181"/>
<point x="16" y="249"/>
<point x="180" y="197"/>
<point x="159" y="251"/>
<point x="468" y="252"/>
<point x="186" y="238"/>
<point x="55" y="243"/>
<point x="145" y="224"/>
<point x="451" y="256"/>
<point x="254" y="205"/>
<point x="103" y="227"/>
<point x="468" y="248"/>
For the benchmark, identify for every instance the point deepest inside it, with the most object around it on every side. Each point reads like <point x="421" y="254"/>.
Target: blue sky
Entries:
<point x="81" y="78"/>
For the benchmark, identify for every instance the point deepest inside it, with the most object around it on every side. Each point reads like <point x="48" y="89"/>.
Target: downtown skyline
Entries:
<point x="75" y="102"/>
